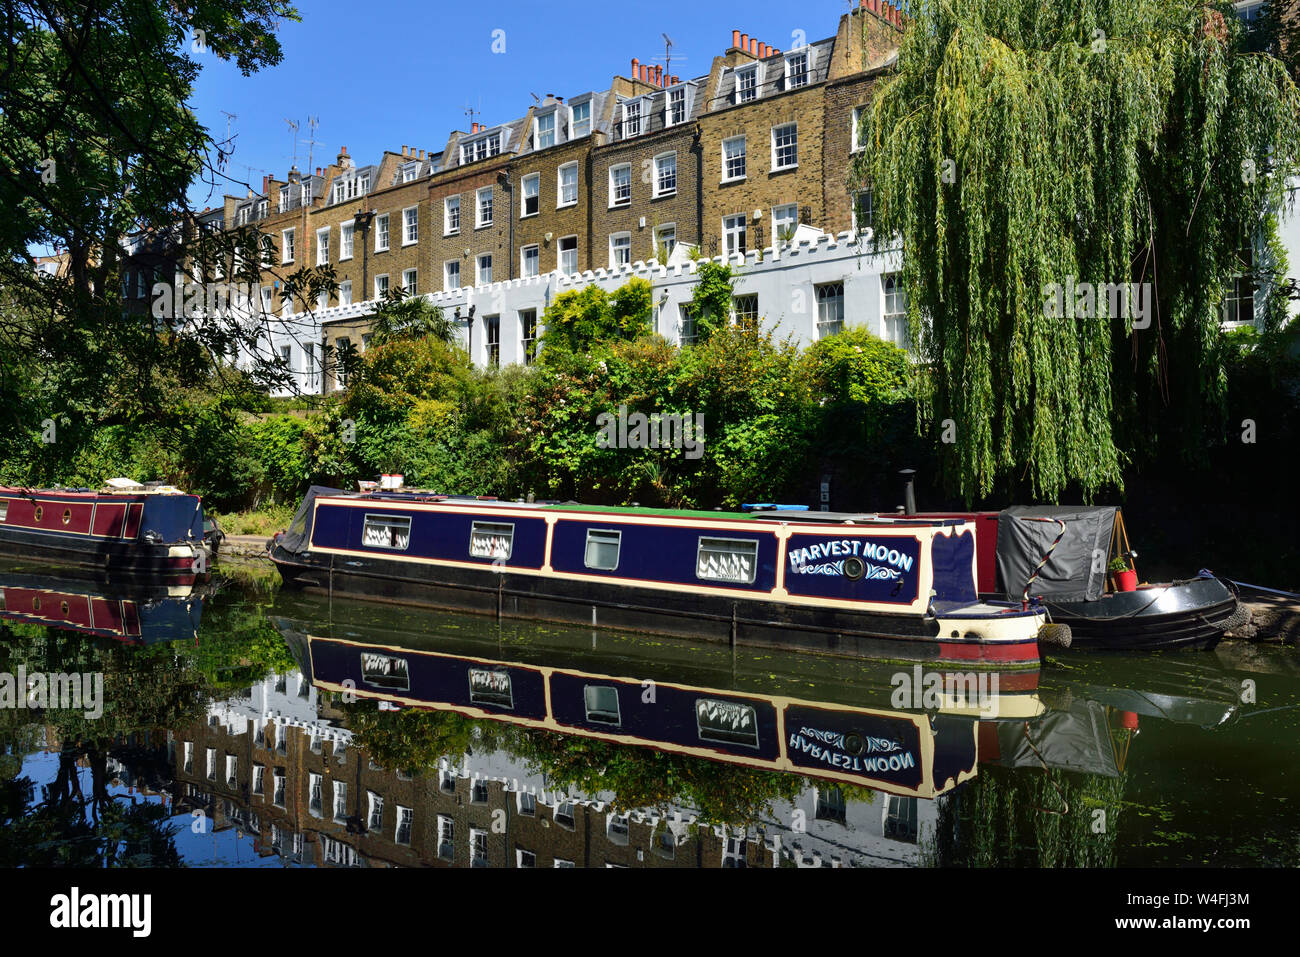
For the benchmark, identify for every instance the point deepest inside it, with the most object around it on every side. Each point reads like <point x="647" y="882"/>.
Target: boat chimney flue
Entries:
<point x="909" y="491"/>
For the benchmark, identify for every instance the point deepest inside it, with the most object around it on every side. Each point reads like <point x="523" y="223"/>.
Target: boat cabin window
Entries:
<point x="385" y="671"/>
<point x="727" y="560"/>
<point x="726" y="722"/>
<point x="387" y="531"/>
<point x="602" y="704"/>
<point x="491" y="540"/>
<point x="490" y="687"/>
<point x="602" y="549"/>
<point x="4" y="509"/>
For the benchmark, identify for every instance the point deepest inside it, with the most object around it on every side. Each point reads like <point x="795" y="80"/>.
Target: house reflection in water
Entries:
<point x="278" y="764"/>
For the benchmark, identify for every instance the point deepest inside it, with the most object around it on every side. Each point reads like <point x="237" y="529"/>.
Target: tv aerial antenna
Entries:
<point x="668" y="54"/>
<point x="293" y="125"/>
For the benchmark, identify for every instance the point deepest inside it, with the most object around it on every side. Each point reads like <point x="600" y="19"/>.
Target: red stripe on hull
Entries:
<point x="1004" y="652"/>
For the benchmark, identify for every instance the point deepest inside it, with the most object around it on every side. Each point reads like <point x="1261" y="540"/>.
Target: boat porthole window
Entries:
<point x="36" y="604"/>
<point x="63" y="607"/>
<point x="854" y="569"/>
<point x="67" y="516"/>
<point x="39" y="512"/>
<point x="854" y="744"/>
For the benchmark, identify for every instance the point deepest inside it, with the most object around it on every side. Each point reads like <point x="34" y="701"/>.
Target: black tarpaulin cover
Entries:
<point x="1076" y="570"/>
<point x="298" y="536"/>
<point x="1074" y="740"/>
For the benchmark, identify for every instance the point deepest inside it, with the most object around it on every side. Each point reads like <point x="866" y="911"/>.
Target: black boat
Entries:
<point x="1065" y="559"/>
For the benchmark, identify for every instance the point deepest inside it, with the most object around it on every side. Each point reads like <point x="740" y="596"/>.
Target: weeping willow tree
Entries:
<point x="1029" y="153"/>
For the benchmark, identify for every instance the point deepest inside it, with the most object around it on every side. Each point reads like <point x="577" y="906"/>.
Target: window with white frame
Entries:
<point x="322" y="246"/>
<point x="733" y="159"/>
<point x="531" y="197"/>
<point x="632" y="118"/>
<point x="676" y="112"/>
<point x="785" y="219"/>
<point x="410" y="225"/>
<point x="735" y="234"/>
<point x="484" y="269"/>
<point x="375" y="811"/>
<point x="340" y="801"/>
<point x="796" y="70"/>
<point x="259" y="779"/>
<point x="855" y="131"/>
<point x="527" y="804"/>
<point x="620" y="250"/>
<point x="830" y="309"/>
<point x="530" y="261"/>
<point x="1239" y="304"/>
<point x="345" y="292"/>
<point x="747" y="83"/>
<point x="745" y="309"/>
<point x="492" y="325"/>
<point x="665" y="240"/>
<point x="569" y="255"/>
<point x="347" y="235"/>
<point x="286" y="246"/>
<point x="212" y="764"/>
<point x="546" y="131"/>
<point x="405" y="816"/>
<point x="581" y="119"/>
<point x="484" y="205"/>
<point x="446" y="837"/>
<point x="381" y="233"/>
<point x="451" y="216"/>
<point x="232" y="770"/>
<point x="528" y="327"/>
<point x="864" y="207"/>
<point x="266" y="299"/>
<point x="486" y="148"/>
<point x="568" y="180"/>
<point x="315" y="793"/>
<point x="189" y="757"/>
<point x="785" y="146"/>
<point x="409" y="172"/>
<point x="895" y="311"/>
<point x="451" y="274"/>
<point x="350" y="187"/>
<point x="278" y="782"/>
<point x="524" y="858"/>
<point x="381" y="286"/>
<point x="666" y="174"/>
<point x="688" y="332"/>
<point x="478" y="847"/>
<point x="409" y="281"/>
<point x="620" y="185"/>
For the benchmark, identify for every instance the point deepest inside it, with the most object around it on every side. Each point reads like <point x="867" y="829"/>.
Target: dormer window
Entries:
<point x="580" y="115"/>
<point x="546" y="131"/>
<point x="632" y="118"/>
<point x="350" y="187"/>
<point x="262" y="206"/>
<point x="796" y="70"/>
<point x="481" y="149"/>
<point x="747" y="84"/>
<point x="408" y="172"/>
<point x="676" y="112"/>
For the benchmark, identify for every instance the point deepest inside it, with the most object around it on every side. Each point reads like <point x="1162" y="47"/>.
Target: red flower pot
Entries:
<point x="1126" y="580"/>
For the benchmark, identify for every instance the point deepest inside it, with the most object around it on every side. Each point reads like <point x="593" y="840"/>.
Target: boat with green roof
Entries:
<point x="857" y="584"/>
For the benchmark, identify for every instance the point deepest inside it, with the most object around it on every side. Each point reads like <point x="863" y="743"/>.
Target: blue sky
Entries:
<point x="381" y="75"/>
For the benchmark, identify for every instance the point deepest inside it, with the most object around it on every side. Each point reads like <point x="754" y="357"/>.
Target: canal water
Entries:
<point x="236" y="725"/>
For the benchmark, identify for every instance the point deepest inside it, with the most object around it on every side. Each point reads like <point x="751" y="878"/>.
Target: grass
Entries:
<point x="263" y="521"/>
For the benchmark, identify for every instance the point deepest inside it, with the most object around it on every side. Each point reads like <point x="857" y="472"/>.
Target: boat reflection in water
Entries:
<point x="99" y="606"/>
<point x="418" y="739"/>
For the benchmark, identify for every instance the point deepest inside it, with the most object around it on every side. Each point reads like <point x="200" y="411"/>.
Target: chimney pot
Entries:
<point x="744" y="42"/>
<point x="636" y="67"/>
<point x="735" y="39"/>
<point x="421" y="156"/>
<point x="659" y="76"/>
<point x="753" y="46"/>
<point x="266" y="183"/>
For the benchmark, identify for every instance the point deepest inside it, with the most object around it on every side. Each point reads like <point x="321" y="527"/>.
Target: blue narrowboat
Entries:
<point x="138" y="534"/>
<point x="902" y="753"/>
<point x="849" y="584"/>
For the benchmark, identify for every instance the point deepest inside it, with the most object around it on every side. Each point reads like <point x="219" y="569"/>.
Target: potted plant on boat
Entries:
<point x="1123" y="574"/>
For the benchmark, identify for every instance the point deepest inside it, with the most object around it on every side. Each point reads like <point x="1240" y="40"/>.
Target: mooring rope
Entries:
<point x="1024" y="598"/>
